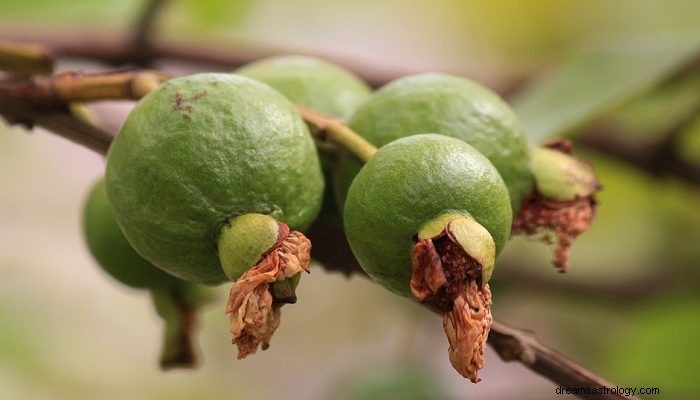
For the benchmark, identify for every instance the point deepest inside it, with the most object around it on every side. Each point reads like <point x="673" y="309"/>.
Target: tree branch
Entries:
<point x="40" y="103"/>
<point x="68" y="87"/>
<point x="115" y="50"/>
<point x="25" y="59"/>
<point x="519" y="345"/>
<point x="660" y="159"/>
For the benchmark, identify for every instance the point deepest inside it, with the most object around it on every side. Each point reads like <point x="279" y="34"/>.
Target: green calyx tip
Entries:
<point x="474" y="239"/>
<point x="244" y="240"/>
<point x="560" y="176"/>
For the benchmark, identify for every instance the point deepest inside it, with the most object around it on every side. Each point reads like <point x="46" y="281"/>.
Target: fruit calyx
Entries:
<point x="258" y="294"/>
<point x="563" y="201"/>
<point x="453" y="258"/>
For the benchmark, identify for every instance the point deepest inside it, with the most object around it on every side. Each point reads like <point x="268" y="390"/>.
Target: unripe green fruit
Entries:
<point x="199" y="151"/>
<point x="311" y="82"/>
<point x="111" y="249"/>
<point x="410" y="182"/>
<point x="175" y="301"/>
<point x="447" y="105"/>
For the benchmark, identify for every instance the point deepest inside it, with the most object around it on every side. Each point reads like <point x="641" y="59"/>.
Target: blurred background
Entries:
<point x="617" y="75"/>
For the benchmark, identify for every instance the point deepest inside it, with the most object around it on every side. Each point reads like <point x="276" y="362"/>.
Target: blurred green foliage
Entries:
<point x="659" y="344"/>
<point x="590" y="84"/>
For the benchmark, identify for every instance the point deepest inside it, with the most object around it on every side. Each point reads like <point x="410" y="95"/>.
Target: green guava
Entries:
<point x="426" y="218"/>
<point x="111" y="249"/>
<point x="311" y="82"/>
<point x="200" y="151"/>
<point x="410" y="182"/>
<point x="447" y="105"/>
<point x="175" y="301"/>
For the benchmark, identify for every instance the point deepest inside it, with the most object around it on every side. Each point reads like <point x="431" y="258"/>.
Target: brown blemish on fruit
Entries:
<point x="541" y="217"/>
<point x="180" y="103"/>
<point x="447" y="279"/>
<point x="200" y="95"/>
<point x="254" y="313"/>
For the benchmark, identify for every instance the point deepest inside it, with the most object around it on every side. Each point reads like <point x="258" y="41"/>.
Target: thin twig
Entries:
<point x="114" y="50"/>
<point x="71" y="87"/>
<point x="332" y="129"/>
<point x="59" y="121"/>
<point x="519" y="345"/>
<point x="25" y="59"/>
<point x="659" y="159"/>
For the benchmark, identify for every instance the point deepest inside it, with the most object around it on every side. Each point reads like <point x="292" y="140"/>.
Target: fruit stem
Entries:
<point x="177" y="307"/>
<point x="334" y="130"/>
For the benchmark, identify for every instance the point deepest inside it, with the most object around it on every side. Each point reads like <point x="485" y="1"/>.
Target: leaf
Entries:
<point x="597" y="80"/>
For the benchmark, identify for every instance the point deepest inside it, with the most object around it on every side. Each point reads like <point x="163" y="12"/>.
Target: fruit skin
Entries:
<point x="111" y="250"/>
<point x="203" y="149"/>
<point x="409" y="182"/>
<point x="450" y="106"/>
<point x="311" y="82"/>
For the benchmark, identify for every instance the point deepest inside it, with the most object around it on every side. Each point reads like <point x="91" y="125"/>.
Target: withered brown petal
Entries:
<point x="254" y="317"/>
<point x="467" y="327"/>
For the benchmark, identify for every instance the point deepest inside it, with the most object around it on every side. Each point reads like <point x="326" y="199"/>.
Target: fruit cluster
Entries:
<point x="214" y="177"/>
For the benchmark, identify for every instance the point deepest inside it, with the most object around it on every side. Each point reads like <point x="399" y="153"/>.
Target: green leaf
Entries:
<point x="596" y="80"/>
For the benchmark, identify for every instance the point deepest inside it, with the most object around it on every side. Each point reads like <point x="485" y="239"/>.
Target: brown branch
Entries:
<point x="511" y="344"/>
<point x="628" y="292"/>
<point x="70" y="87"/>
<point x="519" y="345"/>
<point x="115" y="50"/>
<point x="658" y="159"/>
<point x="25" y="59"/>
<point x="58" y="120"/>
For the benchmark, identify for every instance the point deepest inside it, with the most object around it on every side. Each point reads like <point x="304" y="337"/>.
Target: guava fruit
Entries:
<point x="426" y="217"/>
<point x="175" y="301"/>
<point x="192" y="158"/>
<point x="447" y="105"/>
<point x="539" y="183"/>
<point x="311" y="82"/>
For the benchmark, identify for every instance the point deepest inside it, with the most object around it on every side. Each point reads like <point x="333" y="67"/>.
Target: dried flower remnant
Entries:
<point x="253" y="308"/>
<point x="563" y="201"/>
<point x="541" y="217"/>
<point x="448" y="275"/>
